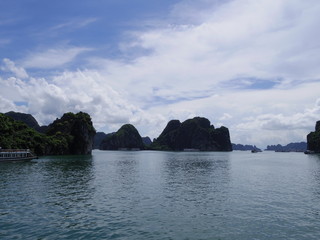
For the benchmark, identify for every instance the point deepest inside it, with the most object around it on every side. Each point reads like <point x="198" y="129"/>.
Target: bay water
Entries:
<point x="162" y="195"/>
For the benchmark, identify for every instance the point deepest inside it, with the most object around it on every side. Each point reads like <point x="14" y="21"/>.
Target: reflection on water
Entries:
<point x="162" y="195"/>
<point x="314" y="164"/>
<point x="201" y="178"/>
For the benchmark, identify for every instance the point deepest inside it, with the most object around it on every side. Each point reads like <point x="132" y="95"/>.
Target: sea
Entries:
<point x="162" y="195"/>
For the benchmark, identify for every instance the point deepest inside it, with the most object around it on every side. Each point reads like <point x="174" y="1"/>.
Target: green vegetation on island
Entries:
<point x="72" y="134"/>
<point x="17" y="135"/>
<point x="75" y="134"/>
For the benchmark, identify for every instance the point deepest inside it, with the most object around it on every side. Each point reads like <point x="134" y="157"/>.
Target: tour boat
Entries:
<point x="9" y="155"/>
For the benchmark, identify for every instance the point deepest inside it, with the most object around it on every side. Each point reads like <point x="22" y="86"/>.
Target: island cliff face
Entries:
<point x="76" y="130"/>
<point x="313" y="139"/>
<point x="127" y="137"/>
<point x="196" y="133"/>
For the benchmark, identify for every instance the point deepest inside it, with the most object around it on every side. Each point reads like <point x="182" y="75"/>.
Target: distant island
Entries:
<point x="193" y="134"/>
<point x="75" y="134"/>
<point x="291" y="147"/>
<point x="240" y="147"/>
<point x="126" y="138"/>
<point x="71" y="134"/>
<point x="313" y="139"/>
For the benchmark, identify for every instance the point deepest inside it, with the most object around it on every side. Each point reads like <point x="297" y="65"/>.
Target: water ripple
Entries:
<point x="162" y="195"/>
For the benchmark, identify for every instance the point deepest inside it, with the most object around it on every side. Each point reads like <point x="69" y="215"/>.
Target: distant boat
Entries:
<point x="255" y="150"/>
<point x="191" y="150"/>
<point x="309" y="152"/>
<point x="10" y="155"/>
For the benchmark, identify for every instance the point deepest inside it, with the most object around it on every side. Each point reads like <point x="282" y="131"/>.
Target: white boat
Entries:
<point x="10" y="155"/>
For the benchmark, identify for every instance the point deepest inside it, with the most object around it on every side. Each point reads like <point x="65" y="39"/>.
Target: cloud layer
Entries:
<point x="249" y="65"/>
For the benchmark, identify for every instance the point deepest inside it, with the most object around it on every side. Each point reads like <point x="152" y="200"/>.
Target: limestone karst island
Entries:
<point x="75" y="134"/>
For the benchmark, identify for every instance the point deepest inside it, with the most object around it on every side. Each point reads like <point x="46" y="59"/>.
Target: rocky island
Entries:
<point x="240" y="147"/>
<point x="126" y="138"/>
<point x="291" y="147"/>
<point x="75" y="134"/>
<point x="193" y="134"/>
<point x="313" y="139"/>
<point x="71" y="134"/>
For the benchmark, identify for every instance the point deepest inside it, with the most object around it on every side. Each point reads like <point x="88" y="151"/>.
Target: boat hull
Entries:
<point x="23" y="159"/>
<point x="16" y="155"/>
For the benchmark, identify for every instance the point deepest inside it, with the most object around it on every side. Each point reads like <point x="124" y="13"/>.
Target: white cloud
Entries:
<point x="260" y="39"/>
<point x="225" y="116"/>
<point x="74" y="24"/>
<point x="53" y="58"/>
<point x="6" y="105"/>
<point x="11" y="67"/>
<point x="86" y="91"/>
<point x="250" y="65"/>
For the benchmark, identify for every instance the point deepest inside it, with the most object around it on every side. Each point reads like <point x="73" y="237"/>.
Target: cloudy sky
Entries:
<point x="250" y="65"/>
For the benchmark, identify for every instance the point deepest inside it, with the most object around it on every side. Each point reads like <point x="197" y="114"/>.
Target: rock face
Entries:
<point x="127" y="137"/>
<point x="98" y="138"/>
<point x="196" y="133"/>
<point x="76" y="130"/>
<point x="146" y="141"/>
<point x="313" y="139"/>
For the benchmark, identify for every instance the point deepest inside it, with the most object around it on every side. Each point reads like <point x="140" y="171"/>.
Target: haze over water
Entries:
<point x="162" y="195"/>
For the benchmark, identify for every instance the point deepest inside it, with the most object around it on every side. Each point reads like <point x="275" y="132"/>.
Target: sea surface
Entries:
<point x="162" y="195"/>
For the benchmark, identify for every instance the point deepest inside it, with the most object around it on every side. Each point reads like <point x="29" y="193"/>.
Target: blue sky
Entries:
<point x="250" y="65"/>
<point x="28" y="25"/>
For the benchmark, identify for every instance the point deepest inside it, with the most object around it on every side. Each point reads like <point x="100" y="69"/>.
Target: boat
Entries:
<point x="10" y="155"/>
<point x="309" y="152"/>
<point x="255" y="150"/>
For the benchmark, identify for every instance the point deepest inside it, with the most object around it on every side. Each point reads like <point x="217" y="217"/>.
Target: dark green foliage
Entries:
<point x="196" y="133"/>
<point x="72" y="134"/>
<point x="16" y="134"/>
<point x="127" y="137"/>
<point x="313" y="139"/>
<point x="23" y="117"/>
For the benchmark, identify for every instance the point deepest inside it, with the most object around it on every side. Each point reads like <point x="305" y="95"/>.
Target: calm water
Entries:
<point x="162" y="195"/>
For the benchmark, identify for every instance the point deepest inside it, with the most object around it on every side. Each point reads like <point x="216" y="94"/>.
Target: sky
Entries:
<point x="249" y="65"/>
